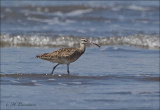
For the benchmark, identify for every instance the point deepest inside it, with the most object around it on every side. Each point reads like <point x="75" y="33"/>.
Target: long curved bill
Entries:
<point x="94" y="44"/>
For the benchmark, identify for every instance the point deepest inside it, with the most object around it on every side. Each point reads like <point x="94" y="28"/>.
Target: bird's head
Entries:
<point x="85" y="41"/>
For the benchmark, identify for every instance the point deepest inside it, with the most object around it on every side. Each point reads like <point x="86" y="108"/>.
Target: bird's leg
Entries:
<point x="54" y="68"/>
<point x="68" y="68"/>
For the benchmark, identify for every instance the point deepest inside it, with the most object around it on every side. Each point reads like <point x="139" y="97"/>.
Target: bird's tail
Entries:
<point x="42" y="56"/>
<point x="38" y="56"/>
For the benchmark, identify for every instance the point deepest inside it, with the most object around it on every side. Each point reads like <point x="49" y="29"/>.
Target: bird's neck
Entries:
<point x="82" y="47"/>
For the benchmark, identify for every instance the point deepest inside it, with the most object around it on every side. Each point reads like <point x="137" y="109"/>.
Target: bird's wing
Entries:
<point x="61" y="53"/>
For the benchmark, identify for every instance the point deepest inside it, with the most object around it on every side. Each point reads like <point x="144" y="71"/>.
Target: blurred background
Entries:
<point x="36" y="23"/>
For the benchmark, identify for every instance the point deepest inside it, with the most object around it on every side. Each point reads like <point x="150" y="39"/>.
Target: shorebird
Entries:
<point x="66" y="55"/>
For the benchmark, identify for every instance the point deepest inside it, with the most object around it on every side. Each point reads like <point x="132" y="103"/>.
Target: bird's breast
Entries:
<point x="70" y="59"/>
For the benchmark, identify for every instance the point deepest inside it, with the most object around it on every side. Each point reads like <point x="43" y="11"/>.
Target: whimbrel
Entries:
<point x="66" y="55"/>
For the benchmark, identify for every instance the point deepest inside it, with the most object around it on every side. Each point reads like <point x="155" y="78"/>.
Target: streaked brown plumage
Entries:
<point x="62" y="56"/>
<point x="65" y="55"/>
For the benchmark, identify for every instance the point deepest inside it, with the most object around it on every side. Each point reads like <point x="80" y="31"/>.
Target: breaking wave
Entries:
<point x="144" y="41"/>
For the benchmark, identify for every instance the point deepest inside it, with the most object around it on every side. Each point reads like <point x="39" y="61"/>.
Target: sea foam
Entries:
<point x="144" y="41"/>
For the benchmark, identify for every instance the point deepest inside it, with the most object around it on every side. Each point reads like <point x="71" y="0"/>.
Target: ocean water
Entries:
<point x="122" y="74"/>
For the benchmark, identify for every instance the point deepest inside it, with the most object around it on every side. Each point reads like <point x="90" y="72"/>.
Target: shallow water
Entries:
<point x="122" y="77"/>
<point x="122" y="74"/>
